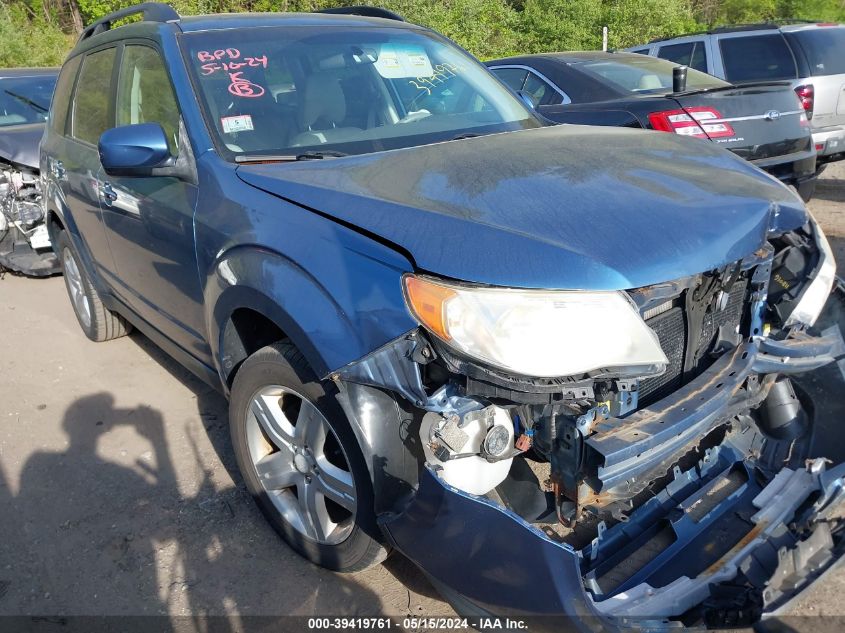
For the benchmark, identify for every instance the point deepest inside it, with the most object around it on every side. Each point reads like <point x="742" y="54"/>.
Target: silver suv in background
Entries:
<point x="809" y="55"/>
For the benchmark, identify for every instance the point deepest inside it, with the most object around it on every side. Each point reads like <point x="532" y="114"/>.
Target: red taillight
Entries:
<point x="700" y="122"/>
<point x="806" y="95"/>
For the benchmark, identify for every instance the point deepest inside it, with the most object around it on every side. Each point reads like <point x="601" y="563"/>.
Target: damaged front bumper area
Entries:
<point x="25" y="245"/>
<point x="715" y="504"/>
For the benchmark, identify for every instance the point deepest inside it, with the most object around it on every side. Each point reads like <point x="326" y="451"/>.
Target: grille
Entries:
<point x="671" y="330"/>
<point x="730" y="317"/>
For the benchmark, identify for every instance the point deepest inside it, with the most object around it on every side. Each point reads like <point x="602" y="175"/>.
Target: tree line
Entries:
<point x="41" y="32"/>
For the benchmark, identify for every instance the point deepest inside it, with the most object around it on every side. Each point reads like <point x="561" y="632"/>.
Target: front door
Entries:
<point x="149" y="220"/>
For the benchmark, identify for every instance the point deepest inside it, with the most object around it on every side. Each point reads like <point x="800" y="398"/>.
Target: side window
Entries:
<point x="61" y="97"/>
<point x="540" y="92"/>
<point x="641" y="51"/>
<point x="757" y="57"/>
<point x="145" y="95"/>
<point x="699" y="58"/>
<point x="514" y="78"/>
<point x="90" y="116"/>
<point x="690" y="54"/>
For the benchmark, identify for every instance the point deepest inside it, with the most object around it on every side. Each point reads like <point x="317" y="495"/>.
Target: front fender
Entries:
<point x="333" y="314"/>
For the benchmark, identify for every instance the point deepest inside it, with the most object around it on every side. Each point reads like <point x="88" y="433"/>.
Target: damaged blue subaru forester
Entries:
<point x="583" y="373"/>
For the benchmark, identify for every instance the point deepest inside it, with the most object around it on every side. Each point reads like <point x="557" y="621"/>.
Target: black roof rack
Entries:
<point x="150" y="11"/>
<point x="368" y="12"/>
<point x="738" y="28"/>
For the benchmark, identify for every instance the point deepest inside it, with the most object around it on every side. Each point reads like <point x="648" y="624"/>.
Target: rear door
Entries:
<point x="824" y="50"/>
<point x="756" y="122"/>
<point x="75" y="161"/>
<point x="692" y="53"/>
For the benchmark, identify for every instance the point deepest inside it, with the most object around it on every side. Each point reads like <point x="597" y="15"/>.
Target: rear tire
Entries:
<point x="97" y="321"/>
<point x="301" y="462"/>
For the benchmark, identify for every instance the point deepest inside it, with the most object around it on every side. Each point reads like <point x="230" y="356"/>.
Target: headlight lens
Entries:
<point x="538" y="333"/>
<point x="815" y="296"/>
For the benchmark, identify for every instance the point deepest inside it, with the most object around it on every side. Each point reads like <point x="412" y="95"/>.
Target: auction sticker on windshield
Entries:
<point x="408" y="61"/>
<point x="239" y="123"/>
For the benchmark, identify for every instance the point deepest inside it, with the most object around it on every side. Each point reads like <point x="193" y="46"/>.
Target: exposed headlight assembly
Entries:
<point x="538" y="333"/>
<point x="815" y="296"/>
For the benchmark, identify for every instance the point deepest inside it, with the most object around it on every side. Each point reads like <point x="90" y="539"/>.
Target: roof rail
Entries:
<point x="762" y="26"/>
<point x="368" y="12"/>
<point x="150" y="11"/>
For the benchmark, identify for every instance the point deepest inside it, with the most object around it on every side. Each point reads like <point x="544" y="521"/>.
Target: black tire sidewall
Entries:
<point x="271" y="366"/>
<point x="63" y="244"/>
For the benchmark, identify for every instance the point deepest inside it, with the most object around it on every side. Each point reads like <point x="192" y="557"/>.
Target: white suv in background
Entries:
<point x="810" y="55"/>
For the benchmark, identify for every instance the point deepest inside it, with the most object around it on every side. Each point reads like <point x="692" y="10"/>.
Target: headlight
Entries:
<point x="538" y="333"/>
<point x="815" y="296"/>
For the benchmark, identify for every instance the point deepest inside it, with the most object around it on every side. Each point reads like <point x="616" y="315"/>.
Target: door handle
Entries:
<point x="107" y="193"/>
<point x="58" y="169"/>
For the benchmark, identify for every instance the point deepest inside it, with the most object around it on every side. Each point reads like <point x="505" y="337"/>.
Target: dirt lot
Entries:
<point x="118" y="491"/>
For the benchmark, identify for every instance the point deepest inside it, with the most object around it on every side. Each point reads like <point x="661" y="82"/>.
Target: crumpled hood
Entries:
<point x="560" y="207"/>
<point x="19" y="144"/>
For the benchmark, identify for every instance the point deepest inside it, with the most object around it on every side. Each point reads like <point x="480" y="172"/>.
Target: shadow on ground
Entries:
<point x="182" y="548"/>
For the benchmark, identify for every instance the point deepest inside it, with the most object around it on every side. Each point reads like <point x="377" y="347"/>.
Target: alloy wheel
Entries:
<point x="301" y="464"/>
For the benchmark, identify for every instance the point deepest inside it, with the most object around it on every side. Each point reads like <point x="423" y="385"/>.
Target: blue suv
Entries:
<point x="568" y="371"/>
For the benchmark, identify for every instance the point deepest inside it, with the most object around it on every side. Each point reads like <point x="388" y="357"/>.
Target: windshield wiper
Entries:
<point x="460" y="137"/>
<point x="27" y="101"/>
<point x="289" y="158"/>
<point x="329" y="153"/>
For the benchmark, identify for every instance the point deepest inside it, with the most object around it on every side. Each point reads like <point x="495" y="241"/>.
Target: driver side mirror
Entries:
<point x="134" y="150"/>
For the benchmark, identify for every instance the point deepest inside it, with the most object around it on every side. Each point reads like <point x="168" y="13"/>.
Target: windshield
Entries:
<point x="291" y="91"/>
<point x="25" y="99"/>
<point x="647" y="75"/>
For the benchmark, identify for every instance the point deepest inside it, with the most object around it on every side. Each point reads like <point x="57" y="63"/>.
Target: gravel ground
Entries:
<point x="119" y="495"/>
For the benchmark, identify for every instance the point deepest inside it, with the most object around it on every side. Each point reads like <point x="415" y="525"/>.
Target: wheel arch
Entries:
<point x="254" y="295"/>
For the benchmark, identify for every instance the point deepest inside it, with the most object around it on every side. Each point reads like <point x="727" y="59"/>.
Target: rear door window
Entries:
<point x="61" y="97"/>
<point x="540" y="92"/>
<point x="91" y="113"/>
<point x="757" y="58"/>
<point x="824" y="48"/>
<point x="690" y="54"/>
<point x="513" y="78"/>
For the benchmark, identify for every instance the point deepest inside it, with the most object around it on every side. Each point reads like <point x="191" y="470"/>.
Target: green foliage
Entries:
<point x="39" y="32"/>
<point x="28" y="39"/>
<point x="555" y="25"/>
<point x="632" y="22"/>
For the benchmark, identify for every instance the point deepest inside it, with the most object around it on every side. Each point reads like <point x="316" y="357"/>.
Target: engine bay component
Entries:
<point x="782" y="416"/>
<point x="24" y="240"/>
<point x="472" y="452"/>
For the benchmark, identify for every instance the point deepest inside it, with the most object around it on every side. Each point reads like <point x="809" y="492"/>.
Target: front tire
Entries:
<point x="301" y="462"/>
<point x="96" y="320"/>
